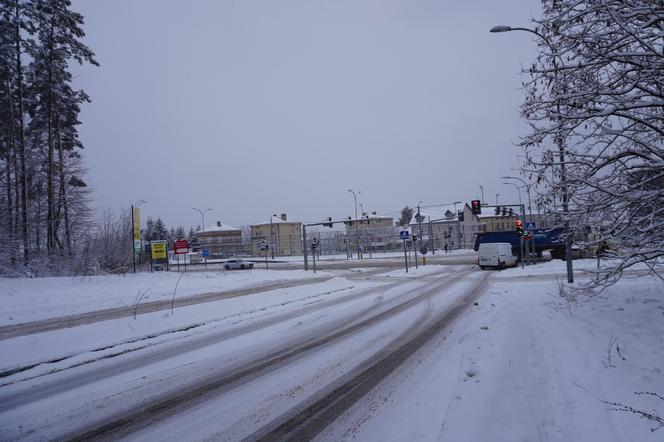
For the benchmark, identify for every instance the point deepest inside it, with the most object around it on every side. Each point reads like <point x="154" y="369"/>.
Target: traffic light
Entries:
<point x="329" y="223"/>
<point x="349" y="221"/>
<point x="519" y="227"/>
<point x="497" y="210"/>
<point x="476" y="207"/>
<point x="504" y="211"/>
<point x="414" y="238"/>
<point x="460" y="215"/>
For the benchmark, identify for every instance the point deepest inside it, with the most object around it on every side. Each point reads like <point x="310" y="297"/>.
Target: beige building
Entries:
<point x="284" y="236"/>
<point x="220" y="238"/>
<point x="375" y="232"/>
<point x="498" y="222"/>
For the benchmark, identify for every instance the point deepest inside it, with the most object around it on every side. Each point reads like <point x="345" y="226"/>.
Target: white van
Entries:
<point x="496" y="254"/>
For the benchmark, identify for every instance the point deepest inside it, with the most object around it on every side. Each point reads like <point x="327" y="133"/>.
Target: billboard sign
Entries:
<point x="181" y="246"/>
<point x="136" y="227"/>
<point x="158" y="250"/>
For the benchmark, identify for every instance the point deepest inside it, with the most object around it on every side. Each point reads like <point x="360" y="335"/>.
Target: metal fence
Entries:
<point x="371" y="240"/>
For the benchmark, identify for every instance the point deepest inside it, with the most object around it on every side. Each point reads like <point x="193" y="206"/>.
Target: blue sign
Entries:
<point x="403" y="234"/>
<point x="531" y="225"/>
<point x="205" y="253"/>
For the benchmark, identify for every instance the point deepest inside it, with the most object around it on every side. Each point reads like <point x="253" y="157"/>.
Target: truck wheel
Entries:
<point x="227" y="267"/>
<point x="482" y="267"/>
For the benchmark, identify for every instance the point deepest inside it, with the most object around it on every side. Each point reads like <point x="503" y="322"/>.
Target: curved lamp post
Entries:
<point x="561" y="148"/>
<point x="357" y="230"/>
<point x="202" y="212"/>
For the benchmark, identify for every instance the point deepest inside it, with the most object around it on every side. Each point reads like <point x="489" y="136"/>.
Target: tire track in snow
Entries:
<point x="29" y="394"/>
<point x="144" y="414"/>
<point x="311" y="417"/>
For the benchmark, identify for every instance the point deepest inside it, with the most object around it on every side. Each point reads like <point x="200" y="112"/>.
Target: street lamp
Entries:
<point x="202" y="212"/>
<point x="133" y="233"/>
<point x="518" y="189"/>
<point x="561" y="147"/>
<point x="458" y="223"/>
<point x="527" y="186"/>
<point x="482" y="190"/>
<point x="274" y="215"/>
<point x="357" y="231"/>
<point x="497" y="195"/>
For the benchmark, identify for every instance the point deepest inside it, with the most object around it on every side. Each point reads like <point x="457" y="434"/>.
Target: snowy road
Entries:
<point x="302" y="362"/>
<point x="365" y="355"/>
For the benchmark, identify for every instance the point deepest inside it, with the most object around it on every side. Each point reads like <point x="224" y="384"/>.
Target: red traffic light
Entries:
<point x="476" y="207"/>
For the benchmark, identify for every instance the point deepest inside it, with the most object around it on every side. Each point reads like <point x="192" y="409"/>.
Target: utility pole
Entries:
<point x="357" y="230"/>
<point x="419" y="221"/>
<point x="272" y="245"/>
<point x="559" y="141"/>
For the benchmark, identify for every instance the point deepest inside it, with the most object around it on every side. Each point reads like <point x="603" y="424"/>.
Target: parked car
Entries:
<point x="234" y="264"/>
<point x="496" y="254"/>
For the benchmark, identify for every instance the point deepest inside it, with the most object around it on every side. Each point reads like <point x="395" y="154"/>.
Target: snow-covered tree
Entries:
<point x="160" y="231"/>
<point x="595" y="104"/>
<point x="406" y="216"/>
<point x="54" y="108"/>
<point x="191" y="237"/>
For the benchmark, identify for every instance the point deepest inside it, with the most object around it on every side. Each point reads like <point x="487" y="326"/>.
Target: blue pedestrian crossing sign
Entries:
<point x="531" y="225"/>
<point x="403" y="234"/>
<point x="205" y="253"/>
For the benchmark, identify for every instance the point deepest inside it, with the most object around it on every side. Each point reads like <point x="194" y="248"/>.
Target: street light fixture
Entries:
<point x="561" y="147"/>
<point x="202" y="212"/>
<point x="518" y="189"/>
<point x="274" y="215"/>
<point x="357" y="231"/>
<point x="527" y="186"/>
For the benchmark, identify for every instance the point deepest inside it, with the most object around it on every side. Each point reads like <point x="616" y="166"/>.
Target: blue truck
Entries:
<point x="543" y="239"/>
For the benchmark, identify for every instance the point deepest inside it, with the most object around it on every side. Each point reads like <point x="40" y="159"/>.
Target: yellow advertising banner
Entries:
<point x="137" y="224"/>
<point x="158" y="250"/>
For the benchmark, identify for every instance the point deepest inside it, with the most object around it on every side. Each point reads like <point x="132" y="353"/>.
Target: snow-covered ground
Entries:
<point x="523" y="363"/>
<point x="31" y="299"/>
<point x="528" y="365"/>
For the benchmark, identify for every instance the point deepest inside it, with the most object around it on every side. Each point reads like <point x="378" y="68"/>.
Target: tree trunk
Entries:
<point x="50" y="197"/>
<point x="63" y="192"/>
<point x="21" y="139"/>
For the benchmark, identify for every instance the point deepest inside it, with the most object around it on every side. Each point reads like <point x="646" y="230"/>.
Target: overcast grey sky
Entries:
<point x="260" y="107"/>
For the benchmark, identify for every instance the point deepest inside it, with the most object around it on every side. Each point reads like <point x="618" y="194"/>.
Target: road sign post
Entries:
<point x="415" y="249"/>
<point x="179" y="247"/>
<point x="404" y="236"/>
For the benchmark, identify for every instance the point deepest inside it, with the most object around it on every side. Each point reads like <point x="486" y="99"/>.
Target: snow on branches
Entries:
<point x="595" y="105"/>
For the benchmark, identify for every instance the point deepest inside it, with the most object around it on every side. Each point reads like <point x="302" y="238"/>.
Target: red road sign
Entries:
<point x="181" y="246"/>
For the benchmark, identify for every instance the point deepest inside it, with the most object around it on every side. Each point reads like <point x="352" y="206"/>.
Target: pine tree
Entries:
<point x="54" y="106"/>
<point x="192" y="238"/>
<point x="160" y="230"/>
<point x="17" y="31"/>
<point x="149" y="233"/>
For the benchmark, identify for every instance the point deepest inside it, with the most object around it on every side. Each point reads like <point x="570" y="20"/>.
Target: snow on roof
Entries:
<point x="276" y="220"/>
<point x="219" y="227"/>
